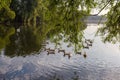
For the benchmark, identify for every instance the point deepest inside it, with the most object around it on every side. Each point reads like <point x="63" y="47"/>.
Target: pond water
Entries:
<point x="101" y="63"/>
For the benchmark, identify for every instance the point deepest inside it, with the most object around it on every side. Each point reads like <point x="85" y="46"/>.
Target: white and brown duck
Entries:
<point x="61" y="50"/>
<point x="51" y="52"/>
<point x="48" y="49"/>
<point x="86" y="47"/>
<point x="79" y="53"/>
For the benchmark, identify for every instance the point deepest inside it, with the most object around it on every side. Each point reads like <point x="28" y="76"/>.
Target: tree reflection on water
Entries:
<point x="5" y="33"/>
<point x="30" y="39"/>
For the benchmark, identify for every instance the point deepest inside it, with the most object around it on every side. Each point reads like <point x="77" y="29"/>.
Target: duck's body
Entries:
<point x="58" y="44"/>
<point x="84" y="55"/>
<point x="87" y="47"/>
<point x="61" y="50"/>
<point x="51" y="52"/>
<point x="89" y="44"/>
<point x="90" y="41"/>
<point x="51" y="49"/>
<point x="79" y="53"/>
<point x="48" y="49"/>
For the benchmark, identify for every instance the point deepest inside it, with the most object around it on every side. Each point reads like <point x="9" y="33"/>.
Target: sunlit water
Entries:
<point x="102" y="63"/>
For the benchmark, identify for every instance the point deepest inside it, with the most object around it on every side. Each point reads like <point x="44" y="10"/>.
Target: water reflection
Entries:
<point x="26" y="40"/>
<point x="30" y="39"/>
<point x="5" y="33"/>
<point x="101" y="63"/>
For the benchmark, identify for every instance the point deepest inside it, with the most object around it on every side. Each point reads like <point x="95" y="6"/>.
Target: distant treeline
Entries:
<point x="96" y="19"/>
<point x="55" y="12"/>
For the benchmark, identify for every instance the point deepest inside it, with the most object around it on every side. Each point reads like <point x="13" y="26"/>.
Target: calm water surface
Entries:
<point x="102" y="63"/>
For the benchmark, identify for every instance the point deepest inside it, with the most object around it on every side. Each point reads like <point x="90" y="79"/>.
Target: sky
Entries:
<point x="95" y="11"/>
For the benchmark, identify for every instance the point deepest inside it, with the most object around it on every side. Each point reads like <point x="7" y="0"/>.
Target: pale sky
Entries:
<point x="95" y="11"/>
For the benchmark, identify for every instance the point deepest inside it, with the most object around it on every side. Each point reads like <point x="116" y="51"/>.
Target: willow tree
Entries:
<point x="27" y="41"/>
<point x="6" y="14"/>
<point x="65" y="17"/>
<point x="27" y="11"/>
<point x="111" y="30"/>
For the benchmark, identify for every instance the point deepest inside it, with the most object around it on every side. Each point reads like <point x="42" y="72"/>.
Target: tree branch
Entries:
<point x="103" y="8"/>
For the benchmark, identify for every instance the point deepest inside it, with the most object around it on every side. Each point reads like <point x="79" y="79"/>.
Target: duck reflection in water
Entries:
<point x="76" y="76"/>
<point x="67" y="54"/>
<point x="44" y="44"/>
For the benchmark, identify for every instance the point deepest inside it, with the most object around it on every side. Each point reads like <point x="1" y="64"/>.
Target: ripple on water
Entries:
<point x="102" y="63"/>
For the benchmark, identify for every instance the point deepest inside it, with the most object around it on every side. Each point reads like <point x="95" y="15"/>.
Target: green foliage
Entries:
<point x="57" y="19"/>
<point x="111" y="30"/>
<point x="26" y="10"/>
<point x="26" y="42"/>
<point x="64" y="17"/>
<point x="5" y="34"/>
<point x="5" y="12"/>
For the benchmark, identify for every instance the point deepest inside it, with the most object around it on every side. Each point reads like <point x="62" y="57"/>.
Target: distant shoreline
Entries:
<point x="95" y="19"/>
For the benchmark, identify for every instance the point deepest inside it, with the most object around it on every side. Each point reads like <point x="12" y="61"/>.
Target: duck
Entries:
<point x="48" y="49"/>
<point x="87" y="47"/>
<point x="50" y="52"/>
<point x="69" y="45"/>
<point x="51" y="49"/>
<point x="79" y="53"/>
<point x="90" y="41"/>
<point x="61" y="50"/>
<point x="89" y="44"/>
<point x="84" y="55"/>
<point x="86" y="42"/>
